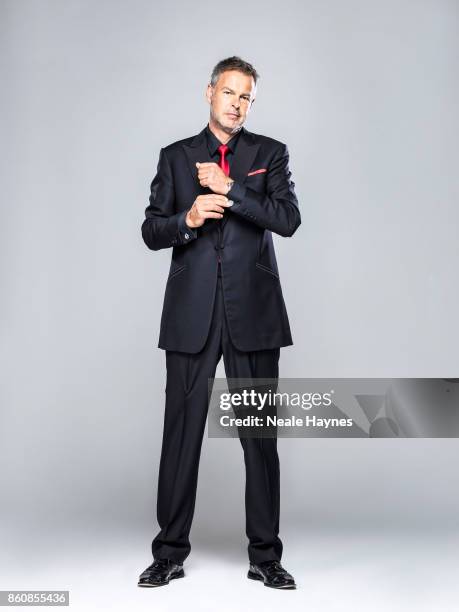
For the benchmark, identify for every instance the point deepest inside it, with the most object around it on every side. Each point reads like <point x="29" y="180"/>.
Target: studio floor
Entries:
<point x="393" y="570"/>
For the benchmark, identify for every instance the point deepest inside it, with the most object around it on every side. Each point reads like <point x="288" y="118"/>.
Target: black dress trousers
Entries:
<point x="184" y="424"/>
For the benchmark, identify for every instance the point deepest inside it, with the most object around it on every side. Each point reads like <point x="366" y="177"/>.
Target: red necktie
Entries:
<point x="223" y="163"/>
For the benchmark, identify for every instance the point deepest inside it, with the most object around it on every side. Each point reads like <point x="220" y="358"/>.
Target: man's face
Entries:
<point x="231" y="99"/>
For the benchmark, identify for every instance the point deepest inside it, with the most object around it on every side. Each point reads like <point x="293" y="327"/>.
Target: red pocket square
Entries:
<point x="257" y="171"/>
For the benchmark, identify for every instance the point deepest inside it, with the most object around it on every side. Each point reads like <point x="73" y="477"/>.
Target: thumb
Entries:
<point x="197" y="164"/>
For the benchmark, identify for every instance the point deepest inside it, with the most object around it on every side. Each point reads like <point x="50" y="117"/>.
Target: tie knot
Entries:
<point x="223" y="149"/>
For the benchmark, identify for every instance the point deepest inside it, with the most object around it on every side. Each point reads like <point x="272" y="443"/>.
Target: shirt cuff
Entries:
<point x="186" y="233"/>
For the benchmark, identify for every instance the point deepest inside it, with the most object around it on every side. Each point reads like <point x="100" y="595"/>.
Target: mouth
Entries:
<point x="233" y="116"/>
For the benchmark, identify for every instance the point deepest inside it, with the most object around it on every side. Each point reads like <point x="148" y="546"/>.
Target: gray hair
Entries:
<point x="233" y="63"/>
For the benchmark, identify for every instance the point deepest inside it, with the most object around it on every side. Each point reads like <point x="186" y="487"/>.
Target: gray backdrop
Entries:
<point x="365" y="94"/>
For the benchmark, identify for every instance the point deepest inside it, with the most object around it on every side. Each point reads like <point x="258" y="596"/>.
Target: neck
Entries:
<point x="222" y="135"/>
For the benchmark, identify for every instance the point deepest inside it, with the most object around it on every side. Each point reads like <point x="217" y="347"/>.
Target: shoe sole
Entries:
<point x="253" y="576"/>
<point x="180" y="574"/>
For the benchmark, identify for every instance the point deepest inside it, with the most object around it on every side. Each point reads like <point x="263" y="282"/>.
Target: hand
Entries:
<point x="209" y="206"/>
<point x="211" y="175"/>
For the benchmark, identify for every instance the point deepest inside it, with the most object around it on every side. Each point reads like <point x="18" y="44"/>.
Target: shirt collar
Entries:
<point x="213" y="143"/>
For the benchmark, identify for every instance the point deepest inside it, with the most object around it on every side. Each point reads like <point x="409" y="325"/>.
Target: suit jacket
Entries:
<point x="264" y="202"/>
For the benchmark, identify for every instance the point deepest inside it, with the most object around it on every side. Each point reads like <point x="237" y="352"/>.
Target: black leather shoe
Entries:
<point x="273" y="575"/>
<point x="160" y="572"/>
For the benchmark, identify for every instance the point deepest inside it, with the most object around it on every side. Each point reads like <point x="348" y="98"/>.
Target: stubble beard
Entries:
<point x="224" y="128"/>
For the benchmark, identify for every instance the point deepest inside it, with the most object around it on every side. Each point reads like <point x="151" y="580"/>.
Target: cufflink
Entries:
<point x="187" y="236"/>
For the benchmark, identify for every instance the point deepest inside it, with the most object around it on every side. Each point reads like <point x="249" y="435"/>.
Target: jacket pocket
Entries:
<point x="266" y="269"/>
<point x="176" y="272"/>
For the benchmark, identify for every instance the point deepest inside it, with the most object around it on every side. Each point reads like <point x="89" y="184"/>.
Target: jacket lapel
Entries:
<point x="246" y="152"/>
<point x="197" y="151"/>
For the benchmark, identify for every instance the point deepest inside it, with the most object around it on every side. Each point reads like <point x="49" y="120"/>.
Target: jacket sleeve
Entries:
<point x="163" y="227"/>
<point x="277" y="209"/>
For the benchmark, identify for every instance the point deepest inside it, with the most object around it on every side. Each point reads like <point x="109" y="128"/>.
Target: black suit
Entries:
<point x="263" y="203"/>
<point x="239" y="314"/>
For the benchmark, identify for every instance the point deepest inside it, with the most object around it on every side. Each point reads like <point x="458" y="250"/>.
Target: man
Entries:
<point x="215" y="199"/>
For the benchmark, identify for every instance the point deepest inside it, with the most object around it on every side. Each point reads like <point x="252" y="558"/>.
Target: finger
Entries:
<point x="221" y="200"/>
<point x="216" y="200"/>
<point x="214" y="208"/>
<point x="211" y="215"/>
<point x="217" y="205"/>
<point x="206" y="164"/>
<point x="217" y="209"/>
<point x="213" y="197"/>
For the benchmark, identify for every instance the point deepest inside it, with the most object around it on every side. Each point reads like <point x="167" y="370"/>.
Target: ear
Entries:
<point x="209" y="92"/>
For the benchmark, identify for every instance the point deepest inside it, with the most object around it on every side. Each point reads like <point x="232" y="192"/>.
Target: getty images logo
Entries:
<point x="258" y="400"/>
